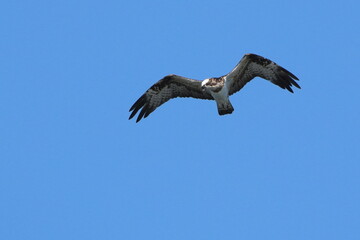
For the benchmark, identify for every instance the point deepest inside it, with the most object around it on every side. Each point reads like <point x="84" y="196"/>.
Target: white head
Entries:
<point x="203" y="83"/>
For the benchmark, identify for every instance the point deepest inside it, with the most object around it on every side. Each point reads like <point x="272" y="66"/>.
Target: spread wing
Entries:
<point x="251" y="66"/>
<point x="169" y="87"/>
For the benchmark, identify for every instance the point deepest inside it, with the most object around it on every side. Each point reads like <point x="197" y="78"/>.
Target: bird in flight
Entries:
<point x="216" y="88"/>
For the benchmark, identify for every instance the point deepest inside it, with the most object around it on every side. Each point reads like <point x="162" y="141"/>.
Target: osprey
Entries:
<point x="218" y="89"/>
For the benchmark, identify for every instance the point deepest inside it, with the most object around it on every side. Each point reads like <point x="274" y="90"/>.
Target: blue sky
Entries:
<point x="282" y="166"/>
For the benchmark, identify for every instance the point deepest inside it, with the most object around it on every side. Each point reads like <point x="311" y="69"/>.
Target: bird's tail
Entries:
<point x="224" y="107"/>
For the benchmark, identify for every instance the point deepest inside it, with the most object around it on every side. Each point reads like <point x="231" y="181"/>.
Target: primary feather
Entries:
<point x="171" y="86"/>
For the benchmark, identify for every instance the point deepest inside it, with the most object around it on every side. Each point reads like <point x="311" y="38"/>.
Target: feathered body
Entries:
<point x="218" y="89"/>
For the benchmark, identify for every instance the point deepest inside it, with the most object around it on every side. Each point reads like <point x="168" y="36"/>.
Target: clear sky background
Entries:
<point x="282" y="166"/>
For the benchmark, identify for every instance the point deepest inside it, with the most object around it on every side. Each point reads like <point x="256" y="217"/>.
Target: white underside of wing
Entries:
<point x="265" y="72"/>
<point x="157" y="99"/>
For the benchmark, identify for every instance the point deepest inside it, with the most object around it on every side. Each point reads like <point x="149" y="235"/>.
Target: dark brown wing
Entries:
<point x="251" y="66"/>
<point x="169" y="87"/>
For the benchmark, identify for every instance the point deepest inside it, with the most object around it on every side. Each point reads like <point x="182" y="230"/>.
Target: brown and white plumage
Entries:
<point x="218" y="89"/>
<point x="171" y="86"/>
<point x="251" y="66"/>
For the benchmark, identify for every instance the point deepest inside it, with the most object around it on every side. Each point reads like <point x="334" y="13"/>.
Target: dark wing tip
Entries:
<point x="289" y="73"/>
<point x="145" y="111"/>
<point x="286" y="79"/>
<point x="291" y="78"/>
<point x="283" y="78"/>
<point x="289" y="89"/>
<point x="144" y="102"/>
<point x="140" y="103"/>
